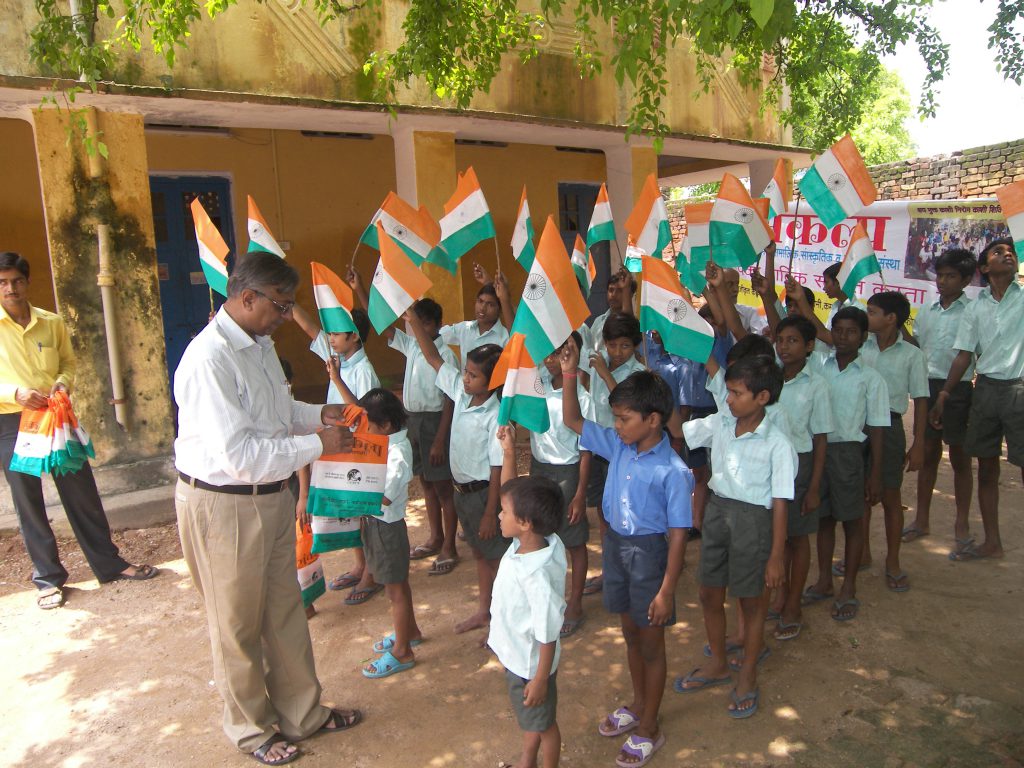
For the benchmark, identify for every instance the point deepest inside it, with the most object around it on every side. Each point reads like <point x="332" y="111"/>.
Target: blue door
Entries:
<point x="184" y="294"/>
<point x="575" y="207"/>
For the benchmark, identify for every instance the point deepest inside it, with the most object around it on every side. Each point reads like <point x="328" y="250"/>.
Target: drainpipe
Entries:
<point x="105" y="281"/>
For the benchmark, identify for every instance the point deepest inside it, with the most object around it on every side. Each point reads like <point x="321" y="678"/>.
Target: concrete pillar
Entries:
<point x="760" y="174"/>
<point x="73" y="204"/>
<point x="627" y="169"/>
<point x="425" y="174"/>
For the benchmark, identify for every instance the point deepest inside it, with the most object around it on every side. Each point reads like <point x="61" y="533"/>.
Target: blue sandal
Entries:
<point x="737" y="701"/>
<point x="386" y="665"/>
<point x="387" y="642"/>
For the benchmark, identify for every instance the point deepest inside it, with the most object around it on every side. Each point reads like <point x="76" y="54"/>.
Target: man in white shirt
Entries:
<point x="241" y="436"/>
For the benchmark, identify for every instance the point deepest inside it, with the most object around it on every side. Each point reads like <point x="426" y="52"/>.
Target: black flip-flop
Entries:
<point x="260" y="754"/>
<point x="143" y="572"/>
<point x="340" y="721"/>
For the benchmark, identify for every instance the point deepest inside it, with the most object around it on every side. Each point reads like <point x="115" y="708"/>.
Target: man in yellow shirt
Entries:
<point x="35" y="361"/>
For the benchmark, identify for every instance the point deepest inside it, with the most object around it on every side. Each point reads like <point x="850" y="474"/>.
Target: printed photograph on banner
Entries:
<point x="939" y="225"/>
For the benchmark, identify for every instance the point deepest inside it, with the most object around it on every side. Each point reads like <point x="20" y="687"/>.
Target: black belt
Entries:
<point x="473" y="487"/>
<point x="999" y="382"/>
<point x="238" y="490"/>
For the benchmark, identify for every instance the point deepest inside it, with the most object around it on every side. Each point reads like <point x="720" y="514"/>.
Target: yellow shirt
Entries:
<point x="35" y="357"/>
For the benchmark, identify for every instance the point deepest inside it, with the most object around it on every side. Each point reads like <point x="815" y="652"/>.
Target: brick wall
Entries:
<point x="976" y="172"/>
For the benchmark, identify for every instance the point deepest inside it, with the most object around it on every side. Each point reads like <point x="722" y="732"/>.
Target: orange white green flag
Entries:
<point x="260" y="238"/>
<point x="648" y="222"/>
<point x="552" y="305"/>
<point x="333" y="299"/>
<point x="523" y="234"/>
<point x="859" y="262"/>
<point x="737" y="230"/>
<point x="583" y="266"/>
<point x="1011" y="198"/>
<point x="695" y="250"/>
<point x="466" y="221"/>
<point x="664" y="309"/>
<point x="397" y="283"/>
<point x="212" y="250"/>
<point x="838" y="184"/>
<point x="779" y="191"/>
<point x="522" y="393"/>
<point x="602" y="227"/>
<point x="416" y="232"/>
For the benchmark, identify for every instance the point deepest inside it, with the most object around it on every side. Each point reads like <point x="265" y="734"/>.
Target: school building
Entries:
<point x="266" y="102"/>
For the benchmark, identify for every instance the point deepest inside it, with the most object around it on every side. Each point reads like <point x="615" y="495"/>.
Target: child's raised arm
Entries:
<point x="508" y="312"/>
<point x="722" y="306"/>
<point x="305" y="321"/>
<point x="569" y="359"/>
<point x="334" y="372"/>
<point x="796" y="292"/>
<point x="430" y="353"/>
<point x="507" y="438"/>
<point x="355" y="281"/>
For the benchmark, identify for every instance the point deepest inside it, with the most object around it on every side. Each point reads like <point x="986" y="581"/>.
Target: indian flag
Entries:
<point x="648" y="223"/>
<point x="522" y="393"/>
<point x="602" y="227"/>
<point x="838" y="185"/>
<point x="552" y="305"/>
<point x="523" y="234"/>
<point x="664" y="309"/>
<point x="397" y="283"/>
<point x="583" y="266"/>
<point x="333" y="300"/>
<point x="212" y="250"/>
<point x="696" y="246"/>
<point x="260" y="238"/>
<point x="737" y="230"/>
<point x="779" y="191"/>
<point x="858" y="263"/>
<point x="1011" y="198"/>
<point x="416" y="232"/>
<point x="466" y="221"/>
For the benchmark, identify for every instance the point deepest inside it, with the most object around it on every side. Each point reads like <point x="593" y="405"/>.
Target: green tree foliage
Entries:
<point x="826" y="51"/>
<point x="882" y="134"/>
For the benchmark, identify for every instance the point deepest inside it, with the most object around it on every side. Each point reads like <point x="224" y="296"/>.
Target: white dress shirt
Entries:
<point x="237" y="420"/>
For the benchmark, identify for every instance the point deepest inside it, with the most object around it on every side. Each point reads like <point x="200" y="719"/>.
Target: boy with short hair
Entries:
<point x="902" y="367"/>
<point x="859" y="399"/>
<point x="935" y="328"/>
<point x="646" y="505"/>
<point x="992" y="328"/>
<point x="527" y="609"/>
<point x="620" y="291"/>
<point x="753" y="467"/>
<point x="484" y="328"/>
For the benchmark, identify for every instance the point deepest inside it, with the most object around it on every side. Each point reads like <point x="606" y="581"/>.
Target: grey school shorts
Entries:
<point x="567" y="476"/>
<point x="798" y="524"/>
<point x="634" y="569"/>
<point x="386" y="546"/>
<point x="954" y="413"/>
<point x="533" y="719"/>
<point x="997" y="411"/>
<point x="598" y="477"/>
<point x="842" y="486"/>
<point x="894" y="452"/>
<point x="470" y="509"/>
<point x="423" y="428"/>
<point x="735" y="542"/>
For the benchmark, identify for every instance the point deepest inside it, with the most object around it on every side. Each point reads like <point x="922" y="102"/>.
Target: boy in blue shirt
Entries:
<point x="646" y="505"/>
<point x="743" y="539"/>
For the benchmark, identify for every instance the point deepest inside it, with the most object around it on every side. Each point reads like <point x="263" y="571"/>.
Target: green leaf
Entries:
<point x="102" y="148"/>
<point x="761" y="11"/>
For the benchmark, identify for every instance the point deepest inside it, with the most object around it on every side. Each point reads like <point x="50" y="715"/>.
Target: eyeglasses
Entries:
<point x="284" y="309"/>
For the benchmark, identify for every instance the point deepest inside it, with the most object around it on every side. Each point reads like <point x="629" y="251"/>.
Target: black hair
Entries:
<point x="983" y="258"/>
<point x="486" y="357"/>
<point x="259" y="270"/>
<point x="858" y="315"/>
<point x="619" y="325"/>
<point x="537" y="501"/>
<point x="644" y="392"/>
<point x="488" y="289"/>
<point x="382" y="406"/>
<point x="428" y="311"/>
<point x="759" y="373"/>
<point x="832" y="270"/>
<point x="575" y="336"/>
<point x="892" y="303"/>
<point x="362" y="322"/>
<point x="751" y="344"/>
<point x="803" y="326"/>
<point x="629" y="280"/>
<point x="287" y="368"/>
<point x="11" y="260"/>
<point x="808" y="294"/>
<point x="960" y="259"/>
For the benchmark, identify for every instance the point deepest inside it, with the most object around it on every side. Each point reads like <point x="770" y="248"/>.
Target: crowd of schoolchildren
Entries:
<point x="791" y="427"/>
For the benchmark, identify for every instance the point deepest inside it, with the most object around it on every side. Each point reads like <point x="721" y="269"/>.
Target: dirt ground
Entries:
<point x="122" y="674"/>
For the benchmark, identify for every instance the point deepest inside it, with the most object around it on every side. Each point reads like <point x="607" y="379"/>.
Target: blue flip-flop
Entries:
<point x="387" y="642"/>
<point x="387" y="665"/>
<point x="736" y="662"/>
<point x="737" y="701"/>
<point x="680" y="684"/>
<point x="839" y="605"/>
<point x="729" y="648"/>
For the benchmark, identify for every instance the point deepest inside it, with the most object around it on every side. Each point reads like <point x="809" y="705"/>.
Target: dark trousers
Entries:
<point x="84" y="509"/>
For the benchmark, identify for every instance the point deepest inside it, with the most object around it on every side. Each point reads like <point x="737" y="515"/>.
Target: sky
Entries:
<point x="972" y="89"/>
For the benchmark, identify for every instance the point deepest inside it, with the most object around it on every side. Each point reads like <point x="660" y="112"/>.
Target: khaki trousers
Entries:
<point x="240" y="551"/>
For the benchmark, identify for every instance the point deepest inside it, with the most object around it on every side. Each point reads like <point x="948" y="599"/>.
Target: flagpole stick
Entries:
<point x="497" y="257"/>
<point x="796" y="222"/>
<point x="212" y="308"/>
<point x="352" y="261"/>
